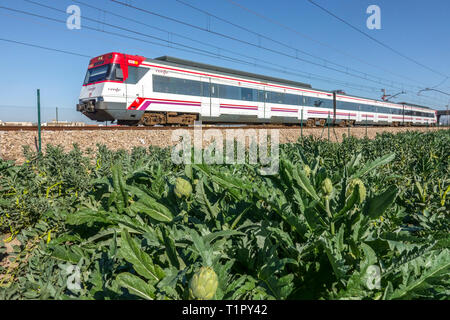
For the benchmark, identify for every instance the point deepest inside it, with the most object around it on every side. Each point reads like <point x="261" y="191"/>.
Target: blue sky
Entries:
<point x="418" y="29"/>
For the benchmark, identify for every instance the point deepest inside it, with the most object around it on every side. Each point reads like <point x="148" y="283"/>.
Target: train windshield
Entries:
<point x="102" y="73"/>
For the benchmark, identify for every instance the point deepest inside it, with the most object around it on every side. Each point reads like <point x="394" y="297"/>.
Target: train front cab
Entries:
<point x="104" y="95"/>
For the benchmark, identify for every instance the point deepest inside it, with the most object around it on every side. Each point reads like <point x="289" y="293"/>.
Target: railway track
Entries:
<point x="131" y="128"/>
<point x="143" y="128"/>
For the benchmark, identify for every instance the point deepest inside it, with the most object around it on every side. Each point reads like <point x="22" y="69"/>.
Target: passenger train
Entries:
<point x="133" y="90"/>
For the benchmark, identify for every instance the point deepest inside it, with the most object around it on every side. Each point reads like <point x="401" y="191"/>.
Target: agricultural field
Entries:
<point x="360" y="219"/>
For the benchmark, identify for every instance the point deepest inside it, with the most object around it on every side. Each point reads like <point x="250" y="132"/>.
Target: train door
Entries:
<point x="260" y="98"/>
<point x="134" y="89"/>
<point x="206" y="96"/>
<point x="375" y="115"/>
<point x="215" y="102"/>
<point x="267" y="113"/>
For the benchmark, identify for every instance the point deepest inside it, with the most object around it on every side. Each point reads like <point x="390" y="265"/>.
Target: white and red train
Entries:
<point x="135" y="90"/>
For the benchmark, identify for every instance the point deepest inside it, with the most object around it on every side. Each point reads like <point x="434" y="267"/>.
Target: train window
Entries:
<point x="275" y="97"/>
<point x="229" y="92"/>
<point x="118" y="73"/>
<point x="135" y="74"/>
<point x="97" y="74"/>
<point x="132" y="75"/>
<point x="292" y="99"/>
<point x="161" y="84"/>
<point x="306" y="101"/>
<point x="344" y="105"/>
<point x="206" y="89"/>
<point x="214" y="90"/>
<point x="318" y="103"/>
<point x="261" y="96"/>
<point x="186" y="87"/>
<point x="175" y="85"/>
<point x="323" y="103"/>
<point x="247" y="94"/>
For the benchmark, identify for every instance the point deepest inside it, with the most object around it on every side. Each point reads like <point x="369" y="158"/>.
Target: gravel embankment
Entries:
<point x="11" y="142"/>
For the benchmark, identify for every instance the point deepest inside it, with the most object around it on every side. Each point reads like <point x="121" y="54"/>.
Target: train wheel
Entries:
<point x="322" y="122"/>
<point x="183" y="119"/>
<point x="150" y="119"/>
<point x="310" y="123"/>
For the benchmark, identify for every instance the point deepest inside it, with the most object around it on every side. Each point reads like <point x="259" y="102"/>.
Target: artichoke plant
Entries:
<point x="203" y="284"/>
<point x="361" y="189"/>
<point x="307" y="170"/>
<point x="327" y="187"/>
<point x="183" y="188"/>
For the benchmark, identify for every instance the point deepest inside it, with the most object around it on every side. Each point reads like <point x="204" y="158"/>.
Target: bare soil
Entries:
<point x="12" y="142"/>
<point x="4" y="257"/>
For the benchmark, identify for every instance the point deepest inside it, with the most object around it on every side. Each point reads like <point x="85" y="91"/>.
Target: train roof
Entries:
<point x="414" y="105"/>
<point x="227" y="71"/>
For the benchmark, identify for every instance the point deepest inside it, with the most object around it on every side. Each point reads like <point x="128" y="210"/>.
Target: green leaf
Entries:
<point x="438" y="265"/>
<point x="372" y="165"/>
<point x="218" y="234"/>
<point x="154" y="209"/>
<point x="66" y="254"/>
<point x="140" y="260"/>
<point x="119" y="188"/>
<point x="303" y="182"/>
<point x="86" y="216"/>
<point x="377" y="205"/>
<point x="203" y="200"/>
<point x="170" y="248"/>
<point x="136" y="285"/>
<point x="233" y="184"/>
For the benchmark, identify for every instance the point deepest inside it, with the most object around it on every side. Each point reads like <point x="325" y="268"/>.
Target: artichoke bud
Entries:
<point x="203" y="284"/>
<point x="361" y="189"/>
<point x="183" y="188"/>
<point x="327" y="187"/>
<point x="307" y="170"/>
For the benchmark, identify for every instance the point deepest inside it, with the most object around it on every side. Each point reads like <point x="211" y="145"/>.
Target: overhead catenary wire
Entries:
<point x="305" y="36"/>
<point x="221" y="56"/>
<point x="46" y="48"/>
<point x="288" y="45"/>
<point x="138" y="39"/>
<point x="297" y="72"/>
<point x="378" y="41"/>
<point x="389" y="83"/>
<point x="208" y="53"/>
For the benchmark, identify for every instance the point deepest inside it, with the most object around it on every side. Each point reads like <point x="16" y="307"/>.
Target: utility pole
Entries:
<point x="57" y="115"/>
<point x="39" y="118"/>
<point x="447" y="115"/>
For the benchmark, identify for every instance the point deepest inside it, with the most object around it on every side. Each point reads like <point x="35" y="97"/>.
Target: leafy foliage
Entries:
<point x="319" y="229"/>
